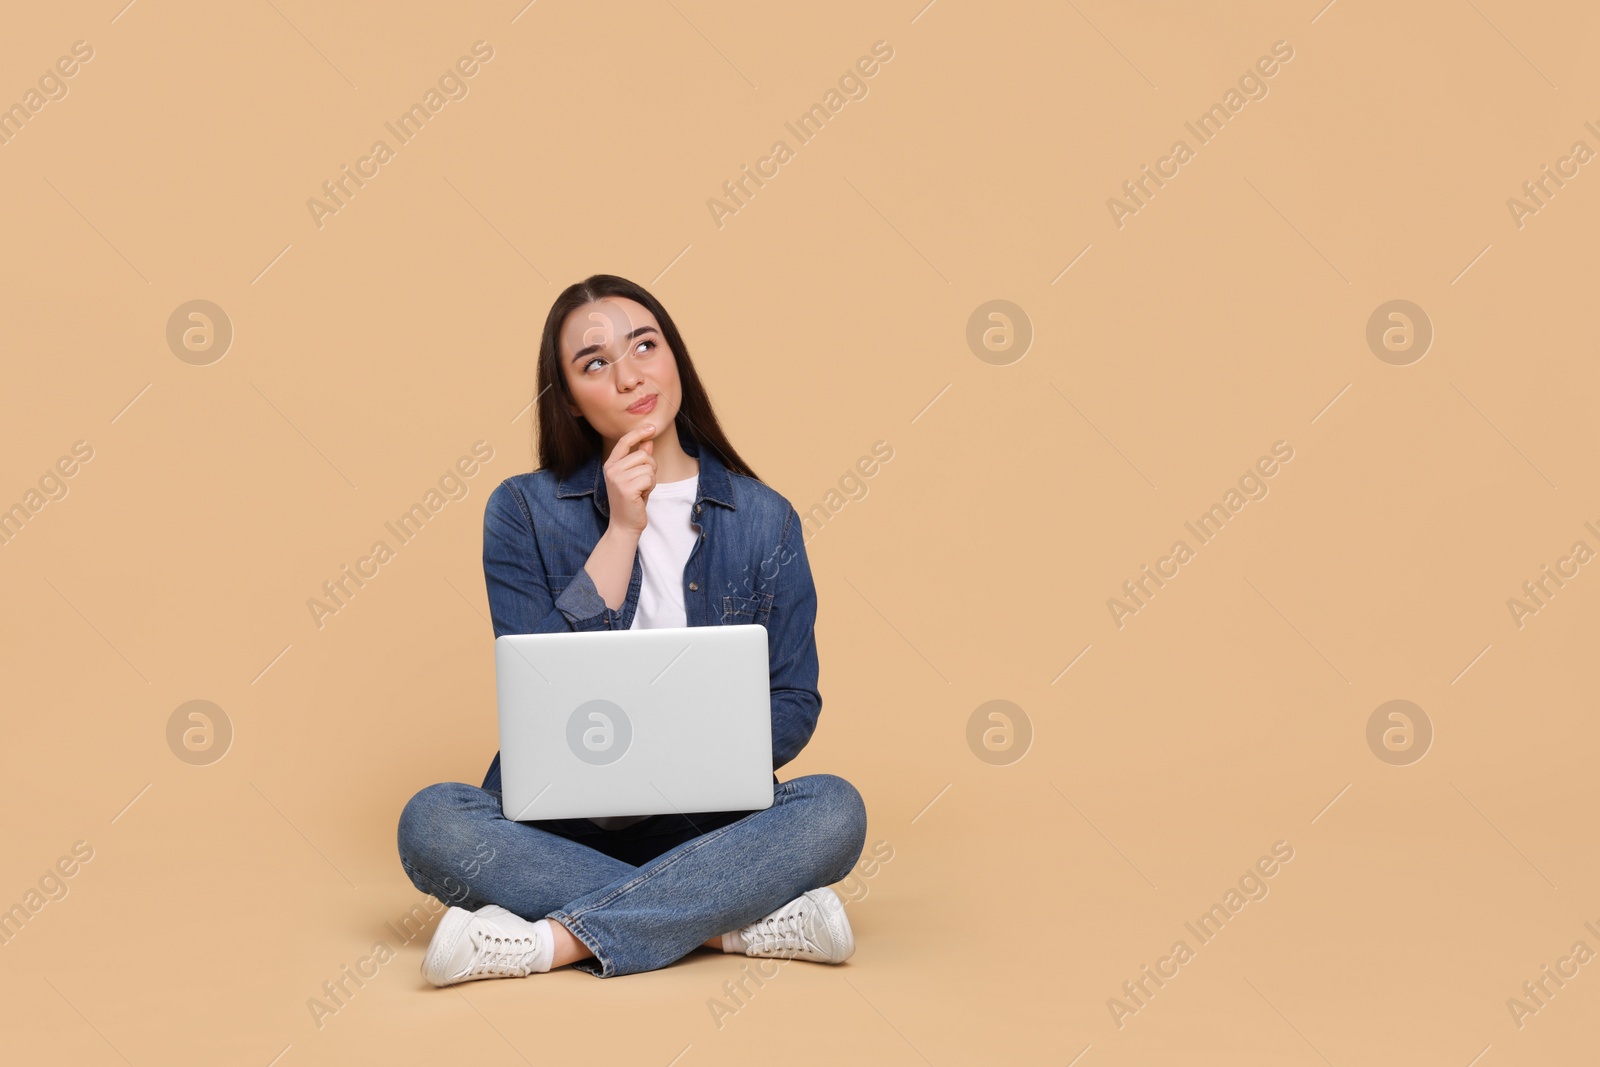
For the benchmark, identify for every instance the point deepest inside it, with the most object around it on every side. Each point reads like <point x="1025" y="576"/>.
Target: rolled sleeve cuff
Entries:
<point x="584" y="607"/>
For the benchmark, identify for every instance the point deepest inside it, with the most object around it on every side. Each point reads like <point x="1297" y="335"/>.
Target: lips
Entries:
<point x="644" y="405"/>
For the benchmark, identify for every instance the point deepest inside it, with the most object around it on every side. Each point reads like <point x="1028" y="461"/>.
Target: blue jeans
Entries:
<point x="647" y="894"/>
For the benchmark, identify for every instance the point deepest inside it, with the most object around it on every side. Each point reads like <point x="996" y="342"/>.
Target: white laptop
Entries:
<point x="634" y="722"/>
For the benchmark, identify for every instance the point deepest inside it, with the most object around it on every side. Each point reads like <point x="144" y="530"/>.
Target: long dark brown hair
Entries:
<point x="566" y="440"/>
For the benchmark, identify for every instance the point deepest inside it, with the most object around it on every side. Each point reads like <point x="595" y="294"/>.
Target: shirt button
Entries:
<point x="694" y="585"/>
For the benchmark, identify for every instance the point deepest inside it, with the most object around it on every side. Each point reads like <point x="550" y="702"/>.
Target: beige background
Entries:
<point x="829" y="313"/>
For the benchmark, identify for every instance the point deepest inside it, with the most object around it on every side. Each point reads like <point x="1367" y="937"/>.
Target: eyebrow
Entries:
<point x="590" y="349"/>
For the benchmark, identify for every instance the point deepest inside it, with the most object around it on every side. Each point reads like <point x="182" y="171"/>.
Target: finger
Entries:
<point x="641" y="488"/>
<point x="631" y="461"/>
<point x="626" y="442"/>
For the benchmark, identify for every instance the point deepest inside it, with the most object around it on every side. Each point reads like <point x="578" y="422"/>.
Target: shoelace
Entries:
<point x="504" y="954"/>
<point x="778" y="933"/>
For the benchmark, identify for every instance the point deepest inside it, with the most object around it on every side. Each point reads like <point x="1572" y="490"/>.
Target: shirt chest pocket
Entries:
<point x="741" y="610"/>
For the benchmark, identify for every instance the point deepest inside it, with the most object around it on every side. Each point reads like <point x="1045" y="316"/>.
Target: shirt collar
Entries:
<point x="714" y="482"/>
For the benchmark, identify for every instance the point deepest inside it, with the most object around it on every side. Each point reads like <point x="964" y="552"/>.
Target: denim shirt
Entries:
<point x="748" y="565"/>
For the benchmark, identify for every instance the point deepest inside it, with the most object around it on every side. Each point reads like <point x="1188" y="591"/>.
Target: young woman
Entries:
<point x="641" y="515"/>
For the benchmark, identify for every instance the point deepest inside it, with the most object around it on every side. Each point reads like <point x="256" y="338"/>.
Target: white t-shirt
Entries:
<point x="664" y="549"/>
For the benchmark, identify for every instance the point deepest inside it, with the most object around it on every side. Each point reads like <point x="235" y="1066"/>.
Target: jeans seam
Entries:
<point x="581" y="932"/>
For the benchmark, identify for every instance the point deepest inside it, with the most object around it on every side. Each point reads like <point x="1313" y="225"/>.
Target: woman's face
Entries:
<point x="614" y="357"/>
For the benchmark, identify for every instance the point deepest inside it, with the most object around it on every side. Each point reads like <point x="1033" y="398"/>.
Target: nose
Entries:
<point x="627" y="373"/>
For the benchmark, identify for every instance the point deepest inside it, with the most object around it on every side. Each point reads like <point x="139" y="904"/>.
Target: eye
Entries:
<point x="643" y="343"/>
<point x="592" y="362"/>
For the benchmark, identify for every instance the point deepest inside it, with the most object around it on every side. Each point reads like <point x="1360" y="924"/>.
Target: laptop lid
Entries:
<point x="634" y="722"/>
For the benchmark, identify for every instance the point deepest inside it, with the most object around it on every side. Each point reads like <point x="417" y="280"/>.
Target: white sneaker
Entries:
<point x="812" y="926"/>
<point x="488" y="943"/>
